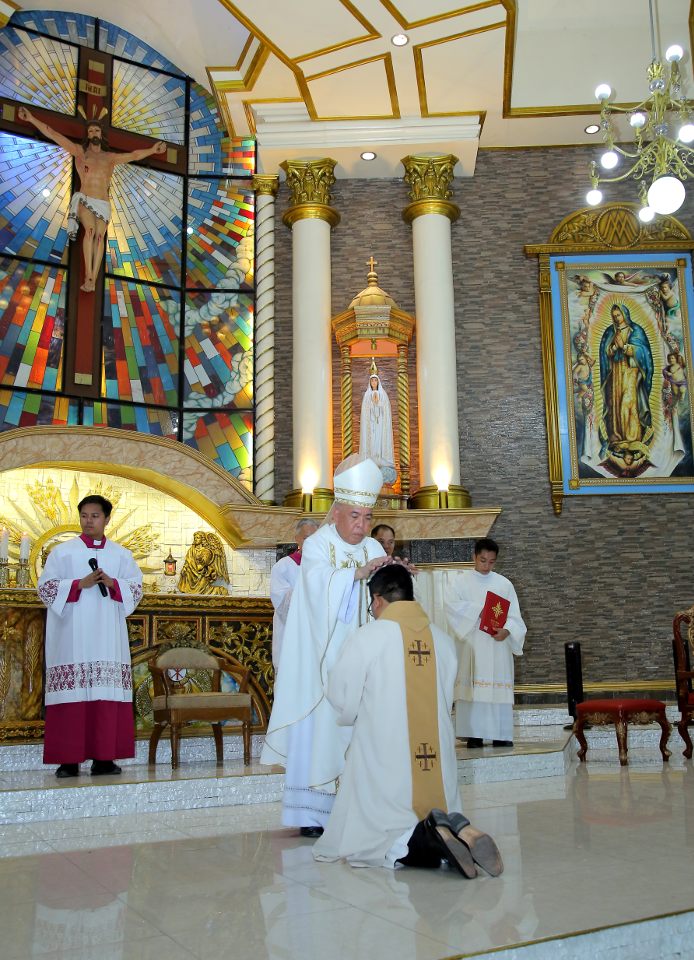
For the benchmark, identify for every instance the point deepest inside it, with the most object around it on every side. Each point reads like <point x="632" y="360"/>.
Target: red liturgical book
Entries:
<point x="494" y="613"/>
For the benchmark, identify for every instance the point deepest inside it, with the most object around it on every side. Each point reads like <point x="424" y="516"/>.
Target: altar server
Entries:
<point x="484" y="686"/>
<point x="89" y="585"/>
<point x="330" y="598"/>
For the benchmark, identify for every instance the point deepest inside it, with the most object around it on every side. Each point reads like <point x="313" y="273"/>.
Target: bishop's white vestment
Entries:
<point x="88" y="688"/>
<point x="303" y="734"/>
<point x="373" y="815"/>
<point x="484" y="685"/>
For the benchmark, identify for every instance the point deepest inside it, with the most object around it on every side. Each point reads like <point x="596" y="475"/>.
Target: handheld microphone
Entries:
<point x="95" y="566"/>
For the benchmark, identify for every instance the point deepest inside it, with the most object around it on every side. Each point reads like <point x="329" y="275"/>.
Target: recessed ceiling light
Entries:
<point x="45" y="192"/>
<point x="368" y="155"/>
<point x="592" y="128"/>
<point x="400" y="40"/>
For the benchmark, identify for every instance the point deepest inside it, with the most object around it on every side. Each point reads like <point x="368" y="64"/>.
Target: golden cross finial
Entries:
<point x="371" y="263"/>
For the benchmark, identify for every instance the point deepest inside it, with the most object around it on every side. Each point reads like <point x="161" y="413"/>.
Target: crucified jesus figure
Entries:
<point x="91" y="206"/>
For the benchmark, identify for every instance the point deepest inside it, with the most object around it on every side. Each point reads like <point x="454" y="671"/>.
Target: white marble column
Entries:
<point x="311" y="218"/>
<point x="264" y="336"/>
<point x="431" y="213"/>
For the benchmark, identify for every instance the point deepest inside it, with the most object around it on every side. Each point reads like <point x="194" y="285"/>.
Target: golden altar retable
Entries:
<point x="239" y="628"/>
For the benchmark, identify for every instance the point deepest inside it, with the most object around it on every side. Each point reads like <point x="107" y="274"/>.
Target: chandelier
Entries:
<point x="659" y="158"/>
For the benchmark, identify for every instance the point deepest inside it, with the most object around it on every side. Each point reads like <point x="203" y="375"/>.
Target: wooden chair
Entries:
<point x="174" y="705"/>
<point x="682" y="646"/>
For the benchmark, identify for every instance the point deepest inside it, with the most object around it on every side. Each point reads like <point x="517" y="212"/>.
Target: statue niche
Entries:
<point x="373" y="337"/>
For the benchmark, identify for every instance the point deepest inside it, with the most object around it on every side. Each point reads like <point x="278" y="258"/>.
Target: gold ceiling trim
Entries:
<point x="372" y="34"/>
<point x="426" y="21"/>
<point x="222" y="105"/>
<point x="248" y="107"/>
<point x="279" y="53"/>
<point x="387" y="60"/>
<point x="419" y="66"/>
<point x="248" y="81"/>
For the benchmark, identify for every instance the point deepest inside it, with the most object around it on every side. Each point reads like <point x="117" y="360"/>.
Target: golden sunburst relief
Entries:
<point x="43" y="513"/>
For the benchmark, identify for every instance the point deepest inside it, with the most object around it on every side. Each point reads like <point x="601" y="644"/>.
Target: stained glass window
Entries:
<point x="34" y="197"/>
<point x="176" y="330"/>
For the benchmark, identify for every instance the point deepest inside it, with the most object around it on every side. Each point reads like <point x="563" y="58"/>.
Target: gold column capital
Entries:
<point x="430" y="180"/>
<point x="309" y="182"/>
<point x="266" y="185"/>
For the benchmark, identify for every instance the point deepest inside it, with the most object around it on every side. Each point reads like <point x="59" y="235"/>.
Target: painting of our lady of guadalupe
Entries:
<point x="627" y="356"/>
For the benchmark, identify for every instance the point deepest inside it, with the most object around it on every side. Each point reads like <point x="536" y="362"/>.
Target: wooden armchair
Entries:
<point x="682" y="646"/>
<point x="175" y="704"/>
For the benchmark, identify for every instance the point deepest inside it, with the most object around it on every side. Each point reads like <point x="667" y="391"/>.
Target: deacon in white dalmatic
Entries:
<point x="329" y="599"/>
<point x="89" y="585"/>
<point x="484" y="686"/>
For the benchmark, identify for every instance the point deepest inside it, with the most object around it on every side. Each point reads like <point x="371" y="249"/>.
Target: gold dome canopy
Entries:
<point x="372" y="295"/>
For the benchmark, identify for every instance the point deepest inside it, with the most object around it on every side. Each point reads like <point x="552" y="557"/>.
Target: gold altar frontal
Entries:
<point x="239" y="628"/>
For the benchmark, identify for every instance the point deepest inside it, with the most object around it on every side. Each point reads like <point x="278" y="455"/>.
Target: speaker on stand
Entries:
<point x="574" y="678"/>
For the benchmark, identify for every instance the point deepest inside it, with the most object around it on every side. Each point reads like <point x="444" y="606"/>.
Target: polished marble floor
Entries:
<point x="599" y="846"/>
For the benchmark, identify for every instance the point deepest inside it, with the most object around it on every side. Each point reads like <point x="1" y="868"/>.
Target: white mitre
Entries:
<point x="357" y="481"/>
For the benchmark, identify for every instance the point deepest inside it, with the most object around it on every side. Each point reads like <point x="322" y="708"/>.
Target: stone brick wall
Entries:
<point x="611" y="570"/>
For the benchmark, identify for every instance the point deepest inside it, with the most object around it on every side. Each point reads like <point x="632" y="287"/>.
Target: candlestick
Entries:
<point x="23" y="576"/>
<point x="4" y="544"/>
<point x="24" y="547"/>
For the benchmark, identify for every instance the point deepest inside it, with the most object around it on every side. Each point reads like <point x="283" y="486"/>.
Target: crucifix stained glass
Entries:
<point x="164" y="344"/>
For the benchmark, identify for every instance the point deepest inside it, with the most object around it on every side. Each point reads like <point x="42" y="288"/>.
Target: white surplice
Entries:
<point x="87" y="649"/>
<point x="283" y="578"/>
<point x="484" y="685"/>
<point x="303" y="734"/>
<point x="373" y="807"/>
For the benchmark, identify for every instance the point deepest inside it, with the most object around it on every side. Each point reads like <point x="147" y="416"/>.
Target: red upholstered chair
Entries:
<point x="682" y="647"/>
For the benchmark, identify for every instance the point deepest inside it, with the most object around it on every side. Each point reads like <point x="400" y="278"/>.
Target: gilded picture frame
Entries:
<point x="616" y="302"/>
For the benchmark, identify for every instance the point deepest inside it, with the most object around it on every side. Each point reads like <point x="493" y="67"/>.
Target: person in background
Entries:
<point x="484" y="687"/>
<point x="283" y="577"/>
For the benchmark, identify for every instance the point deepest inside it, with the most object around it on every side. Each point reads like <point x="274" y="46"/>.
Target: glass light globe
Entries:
<point x="686" y="134"/>
<point x="609" y="159"/>
<point x="674" y="53"/>
<point x="646" y="214"/>
<point x="594" y="197"/>
<point x="666" y="195"/>
<point x="637" y="119"/>
<point x="603" y="91"/>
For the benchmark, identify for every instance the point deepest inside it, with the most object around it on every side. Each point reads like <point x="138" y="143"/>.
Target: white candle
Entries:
<point x="4" y="544"/>
<point x="24" y="547"/>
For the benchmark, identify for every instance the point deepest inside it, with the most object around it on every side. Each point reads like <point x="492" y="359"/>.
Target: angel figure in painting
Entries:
<point x="376" y="426"/>
<point x="205" y="566"/>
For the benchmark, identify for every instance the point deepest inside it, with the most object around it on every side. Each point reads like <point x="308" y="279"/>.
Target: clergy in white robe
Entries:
<point x="283" y="578"/>
<point x="394" y="681"/>
<point x="329" y="599"/>
<point x="88" y="687"/>
<point x="484" y="685"/>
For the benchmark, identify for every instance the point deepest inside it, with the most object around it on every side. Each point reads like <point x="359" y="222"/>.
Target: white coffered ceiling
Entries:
<point x="321" y="77"/>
